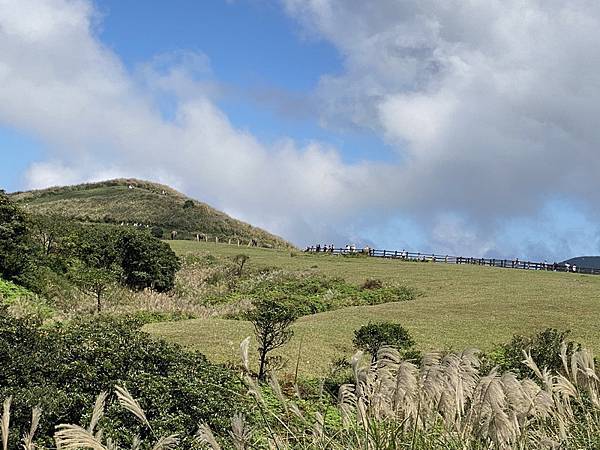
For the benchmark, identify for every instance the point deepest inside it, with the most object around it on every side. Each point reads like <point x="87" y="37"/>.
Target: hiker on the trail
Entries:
<point x="574" y="268"/>
<point x="568" y="267"/>
<point x="318" y="248"/>
<point x="173" y="234"/>
<point x="353" y="248"/>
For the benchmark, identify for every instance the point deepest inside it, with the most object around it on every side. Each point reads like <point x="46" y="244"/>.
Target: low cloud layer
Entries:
<point x="490" y="106"/>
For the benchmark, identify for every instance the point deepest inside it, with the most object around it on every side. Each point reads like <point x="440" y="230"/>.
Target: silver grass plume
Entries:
<point x="75" y="437"/>
<point x="276" y="387"/>
<point x="205" y="436"/>
<point x="244" y="347"/>
<point x="166" y="443"/>
<point x="136" y="444"/>
<point x="240" y="433"/>
<point x="28" y="444"/>
<point x="130" y="404"/>
<point x="318" y="427"/>
<point x="5" y="422"/>
<point x="98" y="411"/>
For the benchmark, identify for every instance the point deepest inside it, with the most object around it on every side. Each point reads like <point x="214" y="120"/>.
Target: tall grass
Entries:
<point x="443" y="402"/>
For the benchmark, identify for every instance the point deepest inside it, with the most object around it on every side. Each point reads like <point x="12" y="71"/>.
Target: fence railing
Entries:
<point x="450" y="259"/>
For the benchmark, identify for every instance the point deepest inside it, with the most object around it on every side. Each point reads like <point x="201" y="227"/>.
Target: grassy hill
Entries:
<point x="132" y="201"/>
<point x="461" y="306"/>
<point x="589" y="262"/>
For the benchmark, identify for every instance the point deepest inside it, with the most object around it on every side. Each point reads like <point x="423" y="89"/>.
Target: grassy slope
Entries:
<point x="462" y="306"/>
<point x="113" y="200"/>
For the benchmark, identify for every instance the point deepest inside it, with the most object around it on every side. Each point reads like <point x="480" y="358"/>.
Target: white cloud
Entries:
<point x="58" y="82"/>
<point x="492" y="105"/>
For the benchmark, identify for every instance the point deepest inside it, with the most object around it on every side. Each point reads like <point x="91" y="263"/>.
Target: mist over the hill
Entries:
<point x="491" y="108"/>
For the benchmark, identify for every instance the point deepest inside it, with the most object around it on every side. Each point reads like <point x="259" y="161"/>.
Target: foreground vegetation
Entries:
<point x="151" y="395"/>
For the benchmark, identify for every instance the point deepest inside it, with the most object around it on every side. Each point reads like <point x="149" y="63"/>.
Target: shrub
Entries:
<point x="63" y="369"/>
<point x="16" y="258"/>
<point x="317" y="293"/>
<point x="147" y="262"/>
<point x="11" y="291"/>
<point x="372" y="283"/>
<point x="372" y="337"/>
<point x="544" y="347"/>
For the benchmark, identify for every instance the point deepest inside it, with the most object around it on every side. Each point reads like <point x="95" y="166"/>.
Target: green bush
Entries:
<point x="147" y="262"/>
<point x="311" y="294"/>
<point x="63" y="369"/>
<point x="544" y="347"/>
<point x="16" y="246"/>
<point x="370" y="338"/>
<point x="372" y="283"/>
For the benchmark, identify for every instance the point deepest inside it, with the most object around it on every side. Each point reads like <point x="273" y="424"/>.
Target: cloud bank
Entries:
<point x="492" y="103"/>
<point x="491" y="107"/>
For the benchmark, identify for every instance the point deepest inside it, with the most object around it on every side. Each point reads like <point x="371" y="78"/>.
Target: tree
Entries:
<point x="372" y="337"/>
<point x="147" y="262"/>
<point x="95" y="280"/>
<point x="16" y="249"/>
<point x="271" y="320"/>
<point x="95" y="264"/>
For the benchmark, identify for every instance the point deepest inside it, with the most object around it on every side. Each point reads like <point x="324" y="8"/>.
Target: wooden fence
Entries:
<point x="448" y="259"/>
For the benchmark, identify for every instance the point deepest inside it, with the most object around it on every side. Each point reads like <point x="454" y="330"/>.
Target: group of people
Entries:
<point x="321" y="248"/>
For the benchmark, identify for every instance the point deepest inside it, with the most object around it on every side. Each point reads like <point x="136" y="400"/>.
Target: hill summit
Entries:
<point x="144" y="204"/>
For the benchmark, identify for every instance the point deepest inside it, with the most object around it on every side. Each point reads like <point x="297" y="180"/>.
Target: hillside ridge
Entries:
<point x="591" y="262"/>
<point x="129" y="201"/>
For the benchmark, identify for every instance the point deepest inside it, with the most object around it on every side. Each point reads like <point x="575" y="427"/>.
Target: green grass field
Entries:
<point x="461" y="306"/>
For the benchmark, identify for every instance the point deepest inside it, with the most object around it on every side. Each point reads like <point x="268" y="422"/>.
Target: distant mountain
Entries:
<point x="590" y="262"/>
<point x="146" y="204"/>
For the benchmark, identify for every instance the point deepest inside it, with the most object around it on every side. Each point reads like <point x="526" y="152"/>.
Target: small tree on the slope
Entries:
<point x="96" y="263"/>
<point x="95" y="280"/>
<point x="372" y="337"/>
<point x="272" y="320"/>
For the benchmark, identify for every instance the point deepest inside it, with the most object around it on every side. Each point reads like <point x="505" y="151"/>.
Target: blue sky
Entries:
<point x="252" y="46"/>
<point x="400" y="124"/>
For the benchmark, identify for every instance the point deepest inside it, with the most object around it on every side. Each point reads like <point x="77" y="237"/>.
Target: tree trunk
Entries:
<point x="98" y="298"/>
<point x="261" y="370"/>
